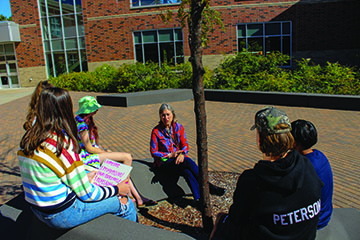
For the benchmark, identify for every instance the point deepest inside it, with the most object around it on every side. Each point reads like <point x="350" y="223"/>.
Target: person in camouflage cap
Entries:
<point x="269" y="198"/>
<point x="267" y="118"/>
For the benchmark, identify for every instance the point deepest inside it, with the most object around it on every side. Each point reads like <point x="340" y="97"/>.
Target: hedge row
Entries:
<point x="243" y="71"/>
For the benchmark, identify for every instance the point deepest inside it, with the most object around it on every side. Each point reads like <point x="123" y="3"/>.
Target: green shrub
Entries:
<point x="139" y="77"/>
<point x="241" y="70"/>
<point x="80" y="81"/>
<point x="331" y="79"/>
<point x="184" y="76"/>
<point x="264" y="81"/>
<point x="254" y="72"/>
<point x="143" y="77"/>
<point x="208" y="82"/>
<point x="128" y="78"/>
<point x="340" y="80"/>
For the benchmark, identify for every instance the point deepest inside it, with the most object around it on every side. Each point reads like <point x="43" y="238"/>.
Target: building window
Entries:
<point x="55" y="27"/>
<point x="63" y="36"/>
<point x="266" y="37"/>
<point x="159" y="46"/>
<point x="8" y="66"/>
<point x="142" y="3"/>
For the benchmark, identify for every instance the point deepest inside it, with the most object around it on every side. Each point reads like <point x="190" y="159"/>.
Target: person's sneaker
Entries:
<point x="218" y="191"/>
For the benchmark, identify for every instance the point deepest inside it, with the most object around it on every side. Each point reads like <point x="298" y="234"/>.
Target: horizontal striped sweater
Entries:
<point x="49" y="181"/>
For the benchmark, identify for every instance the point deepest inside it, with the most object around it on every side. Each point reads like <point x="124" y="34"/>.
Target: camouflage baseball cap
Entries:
<point x="267" y="118"/>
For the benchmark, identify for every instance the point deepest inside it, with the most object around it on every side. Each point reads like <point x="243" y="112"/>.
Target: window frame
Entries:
<point x="154" y="4"/>
<point x="157" y="41"/>
<point x="8" y="62"/>
<point x="265" y="36"/>
<point x="64" y="39"/>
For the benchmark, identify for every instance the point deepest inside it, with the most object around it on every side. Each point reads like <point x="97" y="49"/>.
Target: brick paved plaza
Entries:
<point x="231" y="144"/>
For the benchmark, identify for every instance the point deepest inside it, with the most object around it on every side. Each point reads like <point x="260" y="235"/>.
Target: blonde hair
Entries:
<point x="276" y="144"/>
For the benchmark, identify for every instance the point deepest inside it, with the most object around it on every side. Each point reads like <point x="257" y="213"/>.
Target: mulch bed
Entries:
<point x="183" y="215"/>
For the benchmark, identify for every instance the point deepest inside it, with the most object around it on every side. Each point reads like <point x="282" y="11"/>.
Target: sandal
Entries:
<point x="147" y="204"/>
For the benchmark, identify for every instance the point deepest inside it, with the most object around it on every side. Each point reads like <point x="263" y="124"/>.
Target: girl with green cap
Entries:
<point x="93" y="154"/>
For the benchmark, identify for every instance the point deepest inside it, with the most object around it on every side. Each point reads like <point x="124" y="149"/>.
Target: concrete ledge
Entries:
<point x="18" y="222"/>
<point x="147" y="97"/>
<point x="156" y="185"/>
<point x="340" y="102"/>
<point x="344" y="225"/>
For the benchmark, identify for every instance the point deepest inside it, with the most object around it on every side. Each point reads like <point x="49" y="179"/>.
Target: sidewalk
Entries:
<point x="231" y="145"/>
<point x="11" y="94"/>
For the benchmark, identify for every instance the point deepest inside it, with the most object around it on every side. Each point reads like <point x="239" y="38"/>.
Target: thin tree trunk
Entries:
<point x="195" y="42"/>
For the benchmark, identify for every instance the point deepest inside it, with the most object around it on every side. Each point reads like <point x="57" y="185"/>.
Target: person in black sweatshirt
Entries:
<point x="280" y="197"/>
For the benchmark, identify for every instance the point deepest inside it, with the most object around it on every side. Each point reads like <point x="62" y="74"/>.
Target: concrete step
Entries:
<point x="147" y="97"/>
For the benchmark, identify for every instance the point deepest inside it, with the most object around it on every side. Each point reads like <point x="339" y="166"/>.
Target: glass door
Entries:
<point x="8" y="67"/>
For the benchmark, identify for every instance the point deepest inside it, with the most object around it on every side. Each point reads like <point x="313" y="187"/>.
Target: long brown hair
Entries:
<point x="32" y="105"/>
<point x="54" y="115"/>
<point x="93" y="129"/>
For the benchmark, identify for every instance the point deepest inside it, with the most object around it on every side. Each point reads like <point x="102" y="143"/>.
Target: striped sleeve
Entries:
<point x="48" y="180"/>
<point x="41" y="185"/>
<point x="76" y="178"/>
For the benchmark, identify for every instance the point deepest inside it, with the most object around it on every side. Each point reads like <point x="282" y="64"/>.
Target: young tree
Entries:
<point x="200" y="19"/>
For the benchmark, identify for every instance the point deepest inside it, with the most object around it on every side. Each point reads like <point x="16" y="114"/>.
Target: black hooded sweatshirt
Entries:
<point x="275" y="200"/>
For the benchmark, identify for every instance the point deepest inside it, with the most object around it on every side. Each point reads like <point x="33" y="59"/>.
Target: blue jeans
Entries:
<point x="81" y="212"/>
<point x="189" y="170"/>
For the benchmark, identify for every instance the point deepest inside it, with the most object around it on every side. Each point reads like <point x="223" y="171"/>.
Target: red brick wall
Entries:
<point x="29" y="51"/>
<point x="319" y="26"/>
<point x="111" y="38"/>
<point x="225" y="42"/>
<point x="328" y="26"/>
<point x="324" y="25"/>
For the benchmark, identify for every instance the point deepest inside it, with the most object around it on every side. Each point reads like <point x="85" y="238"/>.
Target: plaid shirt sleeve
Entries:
<point x="180" y="134"/>
<point x="159" y="145"/>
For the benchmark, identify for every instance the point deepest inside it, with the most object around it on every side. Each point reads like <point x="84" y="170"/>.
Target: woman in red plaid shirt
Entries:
<point x="169" y="148"/>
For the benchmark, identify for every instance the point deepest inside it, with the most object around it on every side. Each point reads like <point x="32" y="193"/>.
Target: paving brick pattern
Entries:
<point x="231" y="145"/>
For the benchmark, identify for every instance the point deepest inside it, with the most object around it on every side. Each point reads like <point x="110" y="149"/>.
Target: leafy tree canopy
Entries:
<point x="3" y="18"/>
<point x="210" y="18"/>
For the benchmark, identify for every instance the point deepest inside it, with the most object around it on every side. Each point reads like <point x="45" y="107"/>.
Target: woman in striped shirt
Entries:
<point x="54" y="179"/>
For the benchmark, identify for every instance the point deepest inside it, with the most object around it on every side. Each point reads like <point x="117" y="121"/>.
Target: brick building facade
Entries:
<point x="58" y="38"/>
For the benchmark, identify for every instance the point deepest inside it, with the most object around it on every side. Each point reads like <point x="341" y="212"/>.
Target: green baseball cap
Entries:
<point x="87" y="104"/>
<point x="267" y="118"/>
